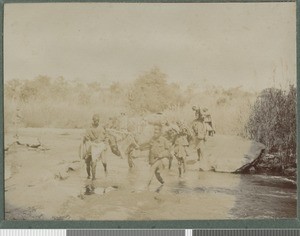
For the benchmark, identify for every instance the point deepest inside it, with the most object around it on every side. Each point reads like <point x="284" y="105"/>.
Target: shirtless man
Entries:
<point x="96" y="143"/>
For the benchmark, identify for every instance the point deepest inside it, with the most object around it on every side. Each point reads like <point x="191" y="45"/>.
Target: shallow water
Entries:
<point x="122" y="194"/>
<point x="256" y="196"/>
<point x="265" y="197"/>
<point x="247" y="196"/>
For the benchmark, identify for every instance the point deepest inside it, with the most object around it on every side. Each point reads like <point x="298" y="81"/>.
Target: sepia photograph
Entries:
<point x="150" y="111"/>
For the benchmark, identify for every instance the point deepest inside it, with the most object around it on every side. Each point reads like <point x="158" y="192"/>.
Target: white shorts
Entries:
<point x="96" y="150"/>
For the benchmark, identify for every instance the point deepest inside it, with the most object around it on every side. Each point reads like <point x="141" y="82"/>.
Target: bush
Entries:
<point x="273" y="121"/>
<point x="151" y="93"/>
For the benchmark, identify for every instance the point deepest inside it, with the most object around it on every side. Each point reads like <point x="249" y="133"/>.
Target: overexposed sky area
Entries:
<point x="226" y="44"/>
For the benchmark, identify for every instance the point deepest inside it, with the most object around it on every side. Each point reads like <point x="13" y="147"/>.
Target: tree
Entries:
<point x="151" y="92"/>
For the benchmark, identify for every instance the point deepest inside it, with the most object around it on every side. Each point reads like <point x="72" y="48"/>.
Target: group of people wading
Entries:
<point x="169" y="141"/>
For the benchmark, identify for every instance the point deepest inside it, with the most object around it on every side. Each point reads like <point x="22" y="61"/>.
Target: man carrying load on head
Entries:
<point x="208" y="122"/>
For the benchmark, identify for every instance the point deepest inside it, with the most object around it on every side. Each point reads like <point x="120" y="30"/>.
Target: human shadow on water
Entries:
<point x="180" y="187"/>
<point x="89" y="189"/>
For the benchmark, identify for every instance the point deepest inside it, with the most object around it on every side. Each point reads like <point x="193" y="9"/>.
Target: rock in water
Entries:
<point x="224" y="153"/>
<point x="29" y="141"/>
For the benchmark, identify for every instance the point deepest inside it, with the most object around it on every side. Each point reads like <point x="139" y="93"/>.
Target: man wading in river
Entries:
<point x="180" y="146"/>
<point x="199" y="129"/>
<point x="159" y="153"/>
<point x="95" y="143"/>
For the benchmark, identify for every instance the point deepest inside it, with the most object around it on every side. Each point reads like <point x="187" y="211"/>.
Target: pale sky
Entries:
<point x="228" y="44"/>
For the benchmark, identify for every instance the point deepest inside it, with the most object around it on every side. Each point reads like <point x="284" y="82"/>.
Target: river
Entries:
<point x="212" y="195"/>
<point x="37" y="186"/>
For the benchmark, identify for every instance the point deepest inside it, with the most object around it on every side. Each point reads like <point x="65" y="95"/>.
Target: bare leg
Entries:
<point x="152" y="172"/>
<point x="170" y="161"/>
<point x="105" y="168"/>
<point x="130" y="161"/>
<point x="88" y="166"/>
<point x="103" y="160"/>
<point x="158" y="176"/>
<point x="88" y="170"/>
<point x="94" y="165"/>
<point x="199" y="154"/>
<point x="129" y="153"/>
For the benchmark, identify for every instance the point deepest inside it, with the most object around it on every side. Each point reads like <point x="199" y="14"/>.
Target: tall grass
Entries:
<point x="46" y="102"/>
<point x="230" y="109"/>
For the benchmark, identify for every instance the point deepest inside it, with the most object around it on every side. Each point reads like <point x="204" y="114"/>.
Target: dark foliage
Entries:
<point x="273" y="121"/>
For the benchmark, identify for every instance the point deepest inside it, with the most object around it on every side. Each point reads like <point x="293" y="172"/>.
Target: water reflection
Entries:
<point x="89" y="189"/>
<point x="237" y="196"/>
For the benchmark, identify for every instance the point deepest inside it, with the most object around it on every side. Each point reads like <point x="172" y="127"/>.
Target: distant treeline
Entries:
<point x="268" y="117"/>
<point x="149" y="93"/>
<point x="56" y="102"/>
